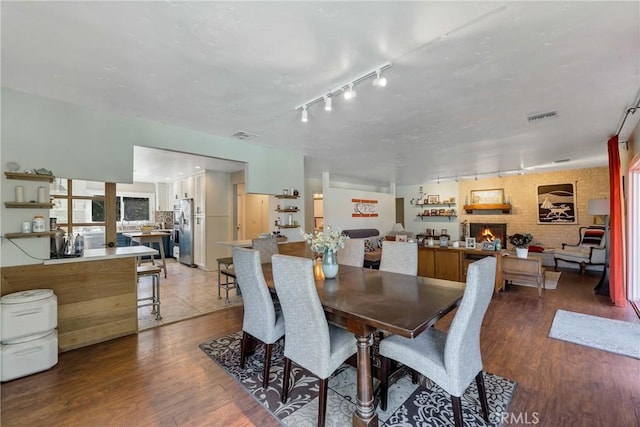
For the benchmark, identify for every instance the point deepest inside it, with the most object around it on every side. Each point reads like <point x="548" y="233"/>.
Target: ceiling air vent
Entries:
<point x="244" y="135"/>
<point x="542" y="116"/>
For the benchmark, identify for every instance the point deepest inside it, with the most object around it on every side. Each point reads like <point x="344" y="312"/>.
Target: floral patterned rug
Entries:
<point x="423" y="404"/>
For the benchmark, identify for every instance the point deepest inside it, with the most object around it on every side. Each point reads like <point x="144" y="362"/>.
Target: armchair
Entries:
<point x="590" y="250"/>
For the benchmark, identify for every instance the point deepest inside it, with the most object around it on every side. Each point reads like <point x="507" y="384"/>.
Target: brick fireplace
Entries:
<point x="487" y="232"/>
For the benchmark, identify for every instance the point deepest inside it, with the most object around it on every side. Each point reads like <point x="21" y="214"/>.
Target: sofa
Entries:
<point x="372" y="247"/>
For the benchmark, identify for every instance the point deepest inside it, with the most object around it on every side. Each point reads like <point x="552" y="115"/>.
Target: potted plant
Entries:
<point x="521" y="242"/>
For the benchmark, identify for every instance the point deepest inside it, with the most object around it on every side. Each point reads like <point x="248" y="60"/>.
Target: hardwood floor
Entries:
<point x="161" y="377"/>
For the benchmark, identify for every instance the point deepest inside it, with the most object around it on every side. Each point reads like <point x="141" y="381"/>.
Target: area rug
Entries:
<point x="615" y="336"/>
<point x="408" y="404"/>
<point x="551" y="282"/>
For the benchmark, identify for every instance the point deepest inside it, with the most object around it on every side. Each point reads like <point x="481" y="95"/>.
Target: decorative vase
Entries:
<point x="522" y="252"/>
<point x="329" y="264"/>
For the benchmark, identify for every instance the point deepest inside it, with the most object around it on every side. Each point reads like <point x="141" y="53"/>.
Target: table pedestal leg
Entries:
<point x="365" y="414"/>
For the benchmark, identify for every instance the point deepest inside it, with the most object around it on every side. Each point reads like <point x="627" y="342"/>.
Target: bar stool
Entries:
<point x="229" y="276"/>
<point x="154" y="300"/>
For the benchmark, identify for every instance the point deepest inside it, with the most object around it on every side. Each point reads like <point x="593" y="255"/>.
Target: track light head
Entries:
<point x="350" y="93"/>
<point x="327" y="103"/>
<point x="379" y="81"/>
<point x="305" y="115"/>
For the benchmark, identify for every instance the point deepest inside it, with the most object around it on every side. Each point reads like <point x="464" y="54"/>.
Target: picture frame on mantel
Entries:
<point x="557" y="204"/>
<point x="494" y="196"/>
<point x="470" y="243"/>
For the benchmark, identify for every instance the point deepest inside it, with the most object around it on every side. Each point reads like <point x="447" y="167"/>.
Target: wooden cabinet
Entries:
<point x="452" y="263"/>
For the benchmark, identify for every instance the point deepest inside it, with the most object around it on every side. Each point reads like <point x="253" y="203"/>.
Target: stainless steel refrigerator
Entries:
<point x="183" y="230"/>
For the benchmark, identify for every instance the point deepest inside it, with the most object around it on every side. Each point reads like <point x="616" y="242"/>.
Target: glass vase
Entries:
<point x="329" y="263"/>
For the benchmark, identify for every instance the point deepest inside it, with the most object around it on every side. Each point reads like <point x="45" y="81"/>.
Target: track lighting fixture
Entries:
<point x="350" y="93"/>
<point x="379" y="81"/>
<point x="327" y="103"/>
<point x="347" y="88"/>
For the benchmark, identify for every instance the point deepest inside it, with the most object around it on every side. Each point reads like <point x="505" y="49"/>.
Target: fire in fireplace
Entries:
<point x="486" y="232"/>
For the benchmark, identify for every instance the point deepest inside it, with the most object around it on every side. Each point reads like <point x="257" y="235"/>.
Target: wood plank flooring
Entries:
<point x="161" y="378"/>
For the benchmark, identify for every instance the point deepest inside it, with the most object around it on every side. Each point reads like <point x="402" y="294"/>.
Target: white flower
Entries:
<point x="320" y="241"/>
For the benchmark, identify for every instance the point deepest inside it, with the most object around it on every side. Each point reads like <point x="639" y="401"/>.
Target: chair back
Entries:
<point x="267" y="246"/>
<point x="352" y="254"/>
<point x="306" y="329"/>
<point x="593" y="236"/>
<point x="462" y="358"/>
<point x="399" y="257"/>
<point x="259" y="312"/>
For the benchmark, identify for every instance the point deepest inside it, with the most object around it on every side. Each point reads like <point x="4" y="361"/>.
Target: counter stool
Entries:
<point x="154" y="300"/>
<point x="229" y="276"/>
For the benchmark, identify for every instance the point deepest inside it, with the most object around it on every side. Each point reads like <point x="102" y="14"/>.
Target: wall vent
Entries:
<point x="244" y="135"/>
<point x="542" y="116"/>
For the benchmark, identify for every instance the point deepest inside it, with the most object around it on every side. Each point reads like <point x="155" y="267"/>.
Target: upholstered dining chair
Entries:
<point x="267" y="246"/>
<point x="399" y="257"/>
<point x="450" y="359"/>
<point x="261" y="321"/>
<point x="352" y="254"/>
<point x="311" y="342"/>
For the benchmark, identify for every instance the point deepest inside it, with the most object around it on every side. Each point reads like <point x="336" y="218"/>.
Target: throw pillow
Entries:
<point x="368" y="246"/>
<point x="592" y="237"/>
<point x="380" y="240"/>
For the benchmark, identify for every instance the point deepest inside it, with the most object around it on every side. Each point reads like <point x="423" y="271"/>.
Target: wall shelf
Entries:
<point x="433" y="204"/>
<point x="29" y="176"/>
<point x="28" y="205"/>
<point x="285" y="196"/>
<point x="287" y="210"/>
<point x="289" y="226"/>
<point x="29" y="235"/>
<point x="505" y="208"/>
<point x="437" y="216"/>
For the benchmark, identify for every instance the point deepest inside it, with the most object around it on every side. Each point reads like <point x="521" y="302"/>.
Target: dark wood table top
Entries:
<point x="397" y="303"/>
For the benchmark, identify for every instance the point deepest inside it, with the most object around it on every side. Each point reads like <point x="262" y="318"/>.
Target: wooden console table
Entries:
<point x="524" y="270"/>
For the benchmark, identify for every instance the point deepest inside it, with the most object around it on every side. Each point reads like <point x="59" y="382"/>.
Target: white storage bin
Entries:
<point x="28" y="313"/>
<point x="28" y="355"/>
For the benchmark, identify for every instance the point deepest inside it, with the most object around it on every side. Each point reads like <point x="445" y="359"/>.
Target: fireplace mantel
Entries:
<point x="504" y="208"/>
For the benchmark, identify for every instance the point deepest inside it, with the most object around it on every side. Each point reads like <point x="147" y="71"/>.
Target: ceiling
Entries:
<point x="464" y="78"/>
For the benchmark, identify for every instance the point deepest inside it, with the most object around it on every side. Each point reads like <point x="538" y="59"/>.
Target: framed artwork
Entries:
<point x="470" y="243"/>
<point x="556" y="204"/>
<point x="434" y="212"/>
<point x="364" y="208"/>
<point x="401" y="237"/>
<point x="487" y="246"/>
<point x="487" y="197"/>
<point x="432" y="199"/>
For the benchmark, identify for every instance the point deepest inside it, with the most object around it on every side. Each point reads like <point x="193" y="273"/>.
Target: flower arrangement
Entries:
<point x="520" y="240"/>
<point x="322" y="240"/>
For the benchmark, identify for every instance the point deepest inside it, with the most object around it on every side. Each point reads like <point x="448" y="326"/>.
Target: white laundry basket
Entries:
<point x="28" y="333"/>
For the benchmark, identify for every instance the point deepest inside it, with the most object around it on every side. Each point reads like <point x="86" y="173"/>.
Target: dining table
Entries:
<point x="365" y="301"/>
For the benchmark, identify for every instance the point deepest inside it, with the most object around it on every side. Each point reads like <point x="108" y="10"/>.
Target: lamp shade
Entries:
<point x="598" y="207"/>
<point x="397" y="227"/>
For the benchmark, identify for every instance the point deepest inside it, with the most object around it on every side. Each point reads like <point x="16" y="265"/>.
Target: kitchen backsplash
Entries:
<point x="165" y="218"/>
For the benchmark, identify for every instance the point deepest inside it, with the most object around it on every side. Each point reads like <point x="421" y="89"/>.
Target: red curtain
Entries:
<point x="616" y="251"/>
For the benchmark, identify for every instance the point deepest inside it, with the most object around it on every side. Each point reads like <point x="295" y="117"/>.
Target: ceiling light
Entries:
<point x="305" y="117"/>
<point x="379" y="81"/>
<point x="327" y="103"/>
<point x="350" y="93"/>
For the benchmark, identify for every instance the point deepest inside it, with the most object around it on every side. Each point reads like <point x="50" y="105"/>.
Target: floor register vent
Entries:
<point x="244" y="135"/>
<point x="542" y="116"/>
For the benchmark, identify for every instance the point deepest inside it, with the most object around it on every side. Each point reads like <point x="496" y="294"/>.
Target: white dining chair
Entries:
<point x="352" y="254"/>
<point x="267" y="246"/>
<point x="311" y="342"/>
<point x="261" y="321"/>
<point x="450" y="359"/>
<point x="399" y="257"/>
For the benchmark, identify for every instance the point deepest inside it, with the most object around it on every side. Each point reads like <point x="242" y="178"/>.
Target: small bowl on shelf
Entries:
<point x="146" y="229"/>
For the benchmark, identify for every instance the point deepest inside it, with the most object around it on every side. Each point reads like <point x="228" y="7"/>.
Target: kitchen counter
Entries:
<point x="105" y="253"/>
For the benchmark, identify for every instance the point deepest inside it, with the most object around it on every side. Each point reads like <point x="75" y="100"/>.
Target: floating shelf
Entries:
<point x="289" y="226"/>
<point x="437" y="216"/>
<point x="505" y="208"/>
<point x="287" y="210"/>
<point x="283" y="196"/>
<point x="28" y="205"/>
<point x="434" y="204"/>
<point x="29" y="176"/>
<point x="29" y="235"/>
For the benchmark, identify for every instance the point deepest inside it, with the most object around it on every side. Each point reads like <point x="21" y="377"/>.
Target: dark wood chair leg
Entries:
<point x="285" y="379"/>
<point x="267" y="365"/>
<point x="244" y="348"/>
<point x="583" y="268"/>
<point x="456" y="403"/>
<point x="482" y="393"/>
<point x="384" y="381"/>
<point x="414" y="376"/>
<point x="322" y="402"/>
<point x="555" y="268"/>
